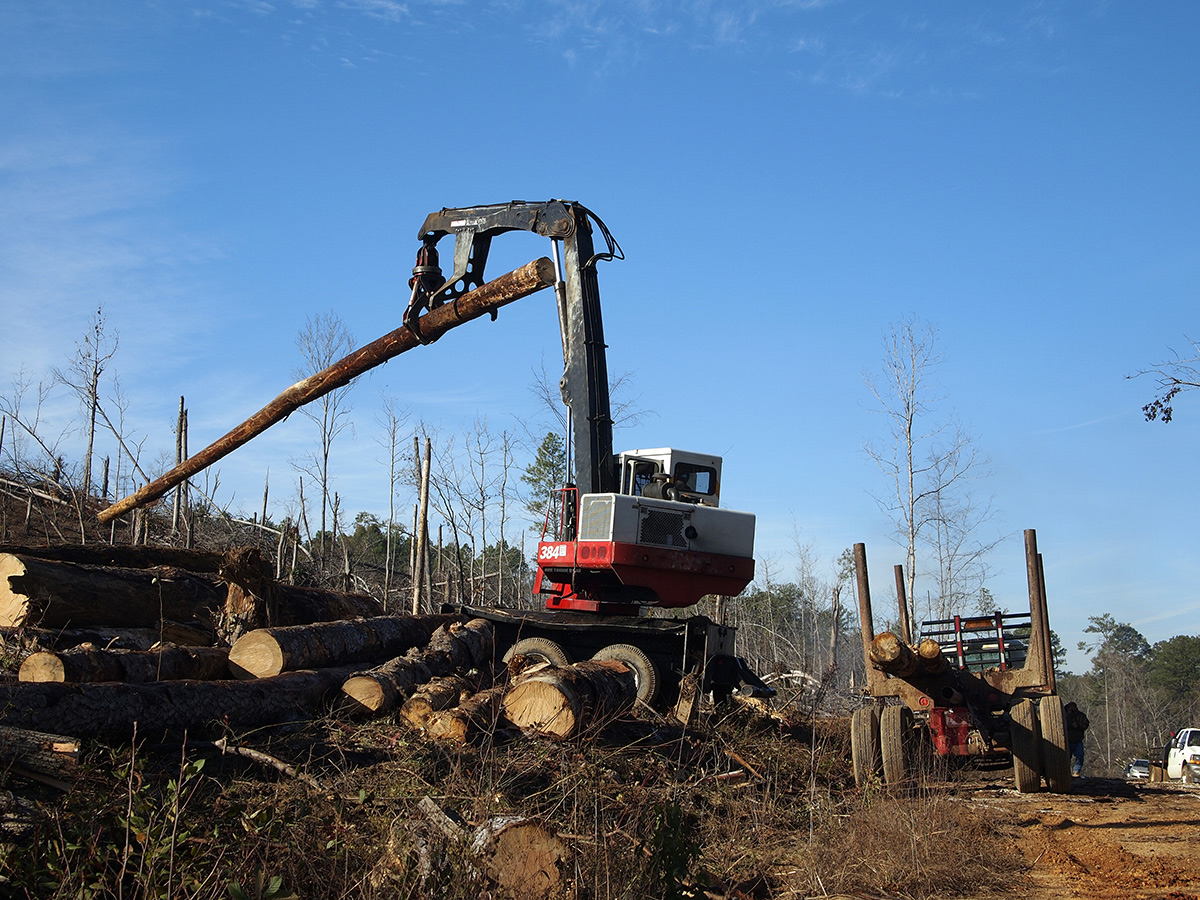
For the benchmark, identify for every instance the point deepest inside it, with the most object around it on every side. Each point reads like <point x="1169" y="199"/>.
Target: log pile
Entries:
<point x="245" y="655"/>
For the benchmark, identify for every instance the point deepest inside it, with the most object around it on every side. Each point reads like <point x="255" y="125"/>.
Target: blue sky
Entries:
<point x="787" y="179"/>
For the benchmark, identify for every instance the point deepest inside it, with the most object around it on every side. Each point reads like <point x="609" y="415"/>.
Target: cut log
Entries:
<point x="270" y="651"/>
<point x="111" y="709"/>
<point x="167" y="663"/>
<point x="487" y="298"/>
<point x="932" y="659"/>
<point x="559" y="702"/>
<point x="442" y="693"/>
<point x="458" y="646"/>
<point x="59" y="594"/>
<point x="890" y="654"/>
<point x="49" y="754"/>
<point x="477" y="715"/>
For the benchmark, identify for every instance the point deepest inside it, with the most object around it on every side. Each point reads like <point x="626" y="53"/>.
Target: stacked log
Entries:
<point x="137" y="587"/>
<point x="451" y="648"/>
<point x="890" y="654"/>
<point x="933" y="661"/>
<point x="166" y="663"/>
<point x="479" y="714"/>
<point x="560" y="702"/>
<point x="54" y="594"/>
<point x="270" y="651"/>
<point x="434" y="696"/>
<point x="111" y="709"/>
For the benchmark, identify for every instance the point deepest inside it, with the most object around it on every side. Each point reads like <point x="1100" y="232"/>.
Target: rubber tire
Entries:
<point x="1024" y="739"/>
<point x="645" y="673"/>
<point x="541" y="648"/>
<point x="864" y="745"/>
<point x="1056" y="757"/>
<point x="895" y="744"/>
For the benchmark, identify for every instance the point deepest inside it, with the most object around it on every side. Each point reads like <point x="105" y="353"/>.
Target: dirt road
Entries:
<point x="1106" y="839"/>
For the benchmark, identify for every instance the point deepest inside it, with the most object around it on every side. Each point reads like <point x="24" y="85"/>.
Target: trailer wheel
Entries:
<point x="645" y="673"/>
<point x="1056" y="759"/>
<point x="864" y="745"/>
<point x="539" y="648"/>
<point x="895" y="743"/>
<point x="1024" y="741"/>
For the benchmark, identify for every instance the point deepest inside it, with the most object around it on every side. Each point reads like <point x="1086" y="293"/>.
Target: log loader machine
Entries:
<point x="630" y="534"/>
<point x="978" y="687"/>
<point x="634" y="532"/>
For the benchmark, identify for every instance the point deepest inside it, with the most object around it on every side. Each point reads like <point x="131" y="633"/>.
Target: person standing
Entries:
<point x="1077" y="723"/>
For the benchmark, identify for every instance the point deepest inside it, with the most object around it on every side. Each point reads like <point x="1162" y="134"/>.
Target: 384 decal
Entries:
<point x="553" y="551"/>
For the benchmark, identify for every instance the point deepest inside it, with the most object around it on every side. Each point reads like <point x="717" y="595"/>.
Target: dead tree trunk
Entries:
<point x="269" y="651"/>
<point x="133" y="666"/>
<point x="559" y="702"/>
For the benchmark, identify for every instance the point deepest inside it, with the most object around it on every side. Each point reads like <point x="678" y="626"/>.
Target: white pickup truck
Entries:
<point x="1183" y="756"/>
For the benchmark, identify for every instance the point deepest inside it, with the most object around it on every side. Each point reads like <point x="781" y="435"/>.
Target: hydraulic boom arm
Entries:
<point x="584" y="382"/>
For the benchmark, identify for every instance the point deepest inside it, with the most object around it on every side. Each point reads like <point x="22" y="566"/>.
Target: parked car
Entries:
<point x="1183" y="755"/>
<point x="1138" y="768"/>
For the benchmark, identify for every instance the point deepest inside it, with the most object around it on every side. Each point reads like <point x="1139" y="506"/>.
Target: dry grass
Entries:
<point x="741" y="810"/>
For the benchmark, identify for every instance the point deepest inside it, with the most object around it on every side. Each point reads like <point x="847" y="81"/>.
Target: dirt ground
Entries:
<point x="1106" y="839"/>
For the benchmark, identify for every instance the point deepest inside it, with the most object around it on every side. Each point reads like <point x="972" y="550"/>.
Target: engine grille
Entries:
<point x="663" y="528"/>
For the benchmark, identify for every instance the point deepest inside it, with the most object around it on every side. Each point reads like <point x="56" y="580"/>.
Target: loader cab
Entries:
<point x="664" y="473"/>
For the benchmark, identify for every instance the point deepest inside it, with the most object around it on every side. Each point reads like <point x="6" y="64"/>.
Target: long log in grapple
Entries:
<point x="629" y="533"/>
<point x="977" y="686"/>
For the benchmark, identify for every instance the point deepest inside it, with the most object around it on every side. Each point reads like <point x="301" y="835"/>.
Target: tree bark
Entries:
<point x="270" y="651"/>
<point x="49" y="754"/>
<point x="458" y="646"/>
<point x="478" y="714"/>
<point x="58" y="594"/>
<point x="560" y="702"/>
<point x="111" y="709"/>
<point x="520" y="283"/>
<point x="133" y="666"/>
<point x="195" y="634"/>
<point x="124" y="556"/>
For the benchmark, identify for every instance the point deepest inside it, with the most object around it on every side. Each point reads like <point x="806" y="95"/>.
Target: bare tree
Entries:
<point x="92" y="355"/>
<point x="927" y="459"/>
<point x="1173" y="376"/>
<point x="322" y="341"/>
<point x="392" y="418"/>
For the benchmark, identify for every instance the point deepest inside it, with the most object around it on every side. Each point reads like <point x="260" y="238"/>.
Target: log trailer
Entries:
<point x="978" y="687"/>
<point x="632" y="533"/>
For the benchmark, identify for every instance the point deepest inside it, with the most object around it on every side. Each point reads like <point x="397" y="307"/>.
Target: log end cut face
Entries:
<point x="544" y="707"/>
<point x="14" y="607"/>
<point x="255" y="655"/>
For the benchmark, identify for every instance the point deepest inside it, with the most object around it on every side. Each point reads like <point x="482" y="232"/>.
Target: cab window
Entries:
<point x="696" y="479"/>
